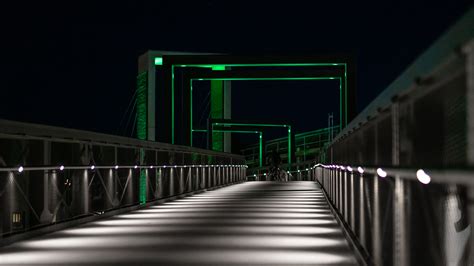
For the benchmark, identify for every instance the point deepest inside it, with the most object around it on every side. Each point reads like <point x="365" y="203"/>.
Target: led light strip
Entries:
<point x="21" y="169"/>
<point x="439" y="176"/>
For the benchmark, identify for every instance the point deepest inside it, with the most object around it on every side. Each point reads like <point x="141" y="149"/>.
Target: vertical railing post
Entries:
<point x="361" y="211"/>
<point x="346" y="198"/>
<point x="341" y="192"/>
<point x="400" y="232"/>
<point x="376" y="227"/>
<point x="352" y="204"/>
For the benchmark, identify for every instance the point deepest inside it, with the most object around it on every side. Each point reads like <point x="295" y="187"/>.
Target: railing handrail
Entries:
<point x="16" y="129"/>
<point x="445" y="176"/>
<point x="93" y="167"/>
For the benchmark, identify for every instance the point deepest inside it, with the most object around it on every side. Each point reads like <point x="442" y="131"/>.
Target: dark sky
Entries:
<point x="74" y="65"/>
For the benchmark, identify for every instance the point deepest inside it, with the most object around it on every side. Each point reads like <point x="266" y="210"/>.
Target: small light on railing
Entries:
<point x="151" y="166"/>
<point x="175" y="166"/>
<point x="360" y="170"/>
<point x="20" y="169"/>
<point x="307" y="169"/>
<point x="61" y="167"/>
<point x="136" y="166"/>
<point x="92" y="167"/>
<point x="298" y="171"/>
<point x="381" y="172"/>
<point x="423" y="177"/>
<point x="287" y="172"/>
<point x="255" y="175"/>
<point x="116" y="167"/>
<point x="349" y="168"/>
<point x="265" y="174"/>
<point x="342" y="167"/>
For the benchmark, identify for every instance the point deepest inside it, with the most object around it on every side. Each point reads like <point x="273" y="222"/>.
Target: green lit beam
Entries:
<point x="260" y="138"/>
<point x="219" y="67"/>
<point x="262" y="65"/>
<point x="263" y="125"/>
<point x="289" y="78"/>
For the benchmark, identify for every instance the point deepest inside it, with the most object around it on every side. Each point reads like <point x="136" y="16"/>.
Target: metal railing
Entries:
<point x="404" y="216"/>
<point x="416" y="207"/>
<point x="50" y="175"/>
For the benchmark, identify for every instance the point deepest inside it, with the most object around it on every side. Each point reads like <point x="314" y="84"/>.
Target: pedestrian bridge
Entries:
<point x="394" y="187"/>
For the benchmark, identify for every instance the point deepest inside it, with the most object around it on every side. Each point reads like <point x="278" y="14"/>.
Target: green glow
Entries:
<point x="263" y="65"/>
<point x="141" y="103"/>
<point x="227" y="130"/>
<point x="340" y="103"/>
<point x="294" y="78"/>
<point x="158" y="61"/>
<point x="218" y="68"/>
<point x="260" y="138"/>
<point x="191" y="114"/>
<point x="217" y="112"/>
<point x="172" y="104"/>
<point x="249" y="124"/>
<point x="142" y="183"/>
<point x="263" y="125"/>
<point x="289" y="148"/>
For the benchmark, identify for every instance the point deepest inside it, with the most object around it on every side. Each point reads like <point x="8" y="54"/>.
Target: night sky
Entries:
<point x="74" y="65"/>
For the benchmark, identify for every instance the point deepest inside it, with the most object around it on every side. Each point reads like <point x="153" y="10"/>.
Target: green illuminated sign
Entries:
<point x="158" y="61"/>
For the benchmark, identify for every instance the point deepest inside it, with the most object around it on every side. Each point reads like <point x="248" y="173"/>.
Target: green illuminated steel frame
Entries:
<point x="226" y="124"/>
<point x="221" y="67"/>
<point x="161" y="105"/>
<point x="301" y="78"/>
<point x="260" y="138"/>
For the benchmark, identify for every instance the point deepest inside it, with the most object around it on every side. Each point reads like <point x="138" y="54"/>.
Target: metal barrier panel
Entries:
<point x="50" y="175"/>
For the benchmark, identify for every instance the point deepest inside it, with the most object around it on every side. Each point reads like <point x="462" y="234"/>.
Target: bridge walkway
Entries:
<point x="252" y="223"/>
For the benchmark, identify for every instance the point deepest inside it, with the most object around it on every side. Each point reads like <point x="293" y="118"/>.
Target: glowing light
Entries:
<point x="136" y="166"/>
<point x="423" y="177"/>
<point x="151" y="166"/>
<point x="116" y="167"/>
<point x="342" y="167"/>
<point x="349" y="168"/>
<point x="92" y="167"/>
<point x="158" y="61"/>
<point x="381" y="172"/>
<point x="61" y="167"/>
<point x="360" y="170"/>
<point x="20" y="169"/>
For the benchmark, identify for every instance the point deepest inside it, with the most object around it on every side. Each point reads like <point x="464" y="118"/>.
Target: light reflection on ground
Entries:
<point x="256" y="223"/>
